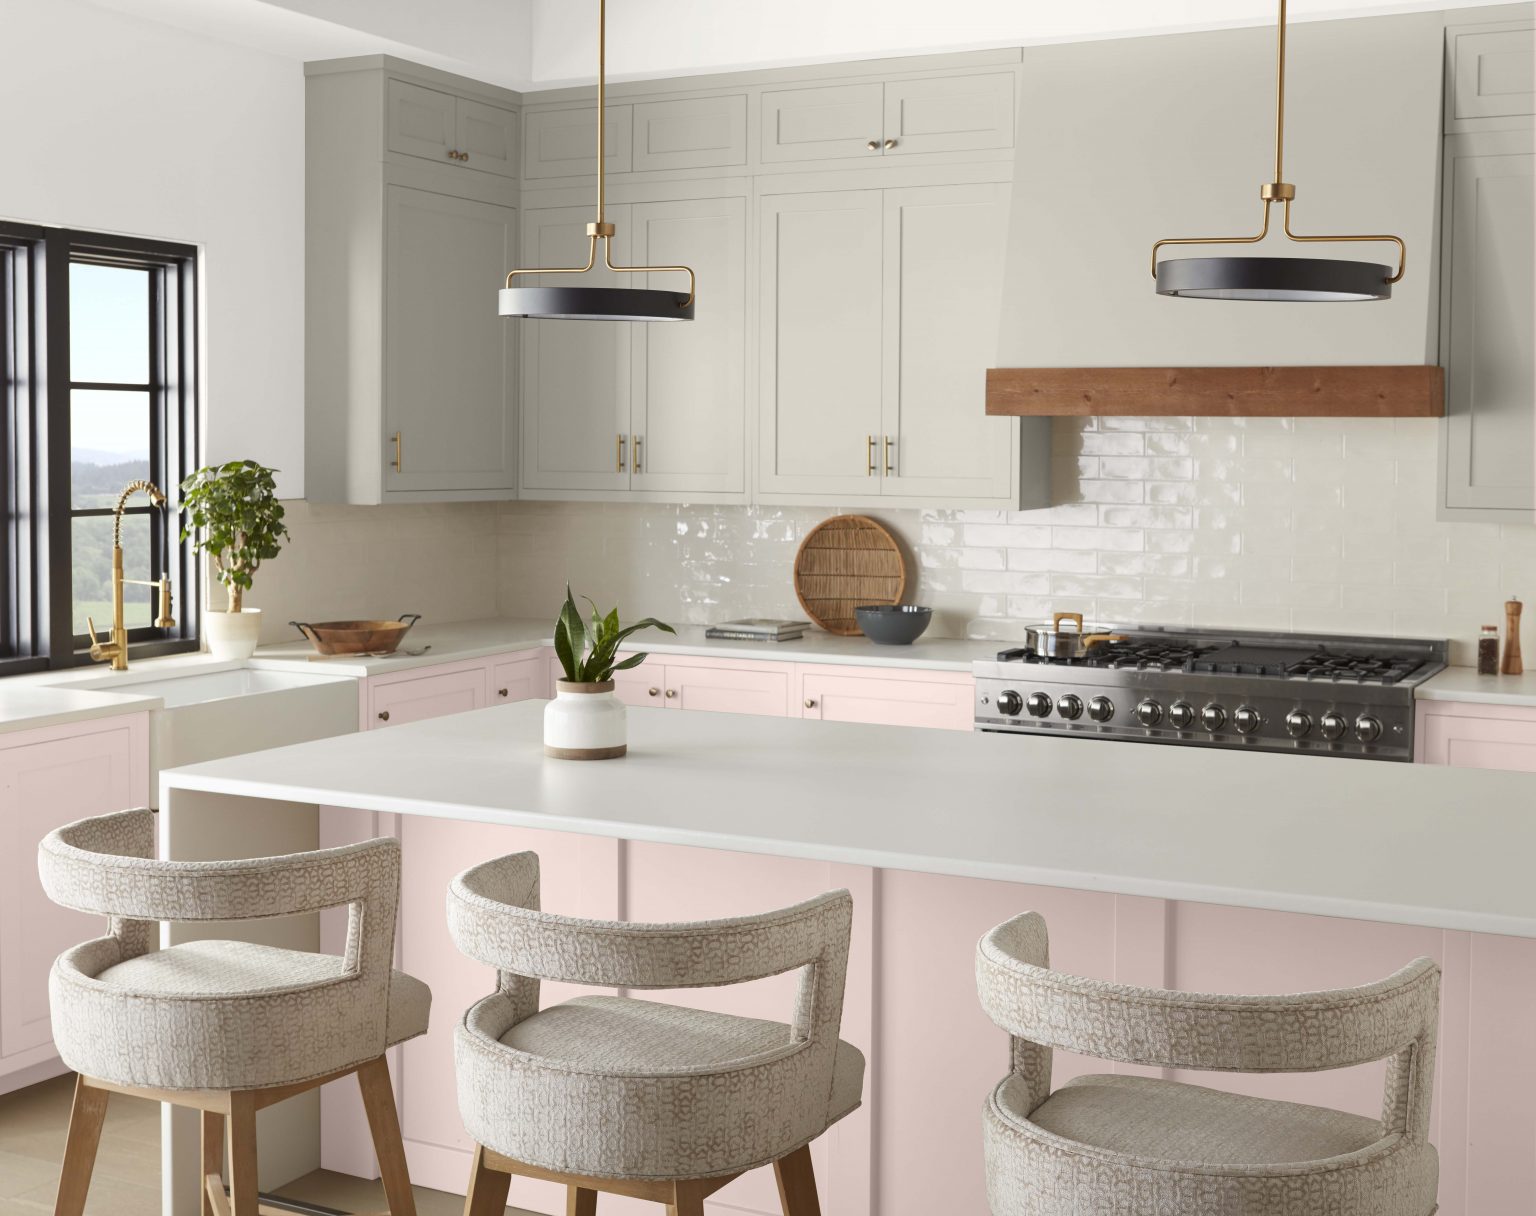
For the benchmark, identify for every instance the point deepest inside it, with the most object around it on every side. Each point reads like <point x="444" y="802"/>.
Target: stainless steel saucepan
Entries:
<point x="1054" y="642"/>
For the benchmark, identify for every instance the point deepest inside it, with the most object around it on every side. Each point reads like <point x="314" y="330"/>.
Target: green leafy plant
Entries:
<point x="586" y="651"/>
<point x="233" y="515"/>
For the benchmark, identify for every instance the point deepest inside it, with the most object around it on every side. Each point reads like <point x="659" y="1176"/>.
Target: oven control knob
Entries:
<point x="1181" y="714"/>
<point x="1149" y="713"/>
<point x="1213" y="717"/>
<point x="1039" y="704"/>
<point x="1101" y="709"/>
<point x="1009" y="703"/>
<point x="1297" y="723"/>
<point x="1367" y="729"/>
<point x="1333" y="725"/>
<point x="1070" y="707"/>
<point x="1247" y="719"/>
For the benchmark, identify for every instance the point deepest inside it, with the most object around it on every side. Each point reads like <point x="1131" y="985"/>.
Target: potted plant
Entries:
<point x="233" y="515"/>
<point x="586" y="721"/>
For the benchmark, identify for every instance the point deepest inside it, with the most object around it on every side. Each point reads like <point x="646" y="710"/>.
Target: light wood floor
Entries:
<point x="126" y="1182"/>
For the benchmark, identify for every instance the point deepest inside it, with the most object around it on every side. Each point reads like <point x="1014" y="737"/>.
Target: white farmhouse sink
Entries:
<point x="208" y="715"/>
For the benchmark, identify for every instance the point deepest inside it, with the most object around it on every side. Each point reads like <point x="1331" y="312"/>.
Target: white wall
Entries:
<point x="116" y="124"/>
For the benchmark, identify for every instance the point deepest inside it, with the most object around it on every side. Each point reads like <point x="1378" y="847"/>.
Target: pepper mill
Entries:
<point x="1512" y="666"/>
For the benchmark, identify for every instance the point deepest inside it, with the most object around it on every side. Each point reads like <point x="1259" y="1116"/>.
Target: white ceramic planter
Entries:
<point x="585" y="722"/>
<point x="232" y="635"/>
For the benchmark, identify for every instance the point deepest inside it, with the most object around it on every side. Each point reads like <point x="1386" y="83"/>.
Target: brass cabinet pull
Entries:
<point x="890" y="143"/>
<point x="889" y="471"/>
<point x="655" y="692"/>
<point x="869" y="453"/>
<point x="383" y="715"/>
<point x="501" y="692"/>
<point x="873" y="145"/>
<point x="618" y="455"/>
<point x="671" y="693"/>
<point x="634" y="452"/>
<point x="397" y="451"/>
<point x="810" y="702"/>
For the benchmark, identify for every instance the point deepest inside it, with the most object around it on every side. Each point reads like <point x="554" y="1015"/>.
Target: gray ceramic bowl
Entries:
<point x="893" y="624"/>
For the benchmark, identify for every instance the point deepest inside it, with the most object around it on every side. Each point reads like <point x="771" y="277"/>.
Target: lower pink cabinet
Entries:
<point x="715" y="685"/>
<point x="1469" y="735"/>
<point x="48" y="778"/>
<point x="888" y="696"/>
<point x="454" y="688"/>
<point x="914" y="1149"/>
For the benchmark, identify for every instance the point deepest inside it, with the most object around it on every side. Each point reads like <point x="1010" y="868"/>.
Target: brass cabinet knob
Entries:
<point x="810" y="702"/>
<point x="890" y="143"/>
<point x="453" y="154"/>
<point x="671" y="693"/>
<point x="384" y="715"/>
<point x="464" y="156"/>
<point x="873" y="145"/>
<point x="655" y="692"/>
<point x="501" y="692"/>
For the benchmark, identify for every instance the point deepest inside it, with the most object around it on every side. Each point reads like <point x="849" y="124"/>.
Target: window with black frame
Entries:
<point x="101" y="392"/>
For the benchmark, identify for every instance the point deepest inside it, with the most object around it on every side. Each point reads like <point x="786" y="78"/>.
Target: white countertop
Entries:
<point x="27" y="706"/>
<point x="448" y="643"/>
<point x="1464" y="684"/>
<point x="1409" y="844"/>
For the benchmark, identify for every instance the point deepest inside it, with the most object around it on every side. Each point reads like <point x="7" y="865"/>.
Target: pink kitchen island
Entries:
<point x="1179" y="867"/>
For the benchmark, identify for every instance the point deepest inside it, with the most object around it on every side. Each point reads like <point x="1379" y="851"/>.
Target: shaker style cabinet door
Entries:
<point x="562" y="143"/>
<point x="576" y="374"/>
<point x="488" y="136"/>
<point x="690" y="133"/>
<point x="820" y="353"/>
<point x="949" y="114"/>
<point x="824" y="122"/>
<point x="1491" y="76"/>
<point x="448" y="389"/>
<point x="1489" y="309"/>
<point x="943" y="293"/>
<point x="393" y="702"/>
<point x="688" y="421"/>
<point x="942" y="700"/>
<point x="420" y="121"/>
<point x="521" y="678"/>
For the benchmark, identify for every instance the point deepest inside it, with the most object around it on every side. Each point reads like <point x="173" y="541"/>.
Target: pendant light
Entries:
<point x="598" y="303"/>
<point x="1294" y="279"/>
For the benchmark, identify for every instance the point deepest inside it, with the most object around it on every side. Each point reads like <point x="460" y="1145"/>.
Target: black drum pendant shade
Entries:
<point x="1299" y="280"/>
<point x="597" y="303"/>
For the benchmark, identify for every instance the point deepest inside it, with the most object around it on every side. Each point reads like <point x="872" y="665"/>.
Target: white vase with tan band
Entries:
<point x="585" y="722"/>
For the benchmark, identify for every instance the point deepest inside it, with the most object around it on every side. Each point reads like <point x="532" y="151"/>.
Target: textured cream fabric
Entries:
<point x="1123" y="1146"/>
<point x="214" y="1014"/>
<point x="622" y="1088"/>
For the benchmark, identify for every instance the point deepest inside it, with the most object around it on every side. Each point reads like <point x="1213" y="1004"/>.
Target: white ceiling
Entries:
<point x="533" y="44"/>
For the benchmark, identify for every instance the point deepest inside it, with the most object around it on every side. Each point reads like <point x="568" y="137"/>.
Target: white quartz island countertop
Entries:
<point x="1410" y="844"/>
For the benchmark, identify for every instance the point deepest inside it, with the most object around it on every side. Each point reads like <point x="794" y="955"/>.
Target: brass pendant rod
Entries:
<point x="602" y="108"/>
<point x="1280" y="99"/>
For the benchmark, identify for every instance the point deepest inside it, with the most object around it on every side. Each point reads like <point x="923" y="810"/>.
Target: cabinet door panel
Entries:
<point x="691" y="133"/>
<point x="43" y="786"/>
<point x="641" y="686"/>
<point x="521" y="679"/>
<point x="822" y="266"/>
<point x="943" y="296"/>
<point x="949" y="114"/>
<point x="896" y="698"/>
<point x="488" y="135"/>
<point x="563" y="143"/>
<point x="447" y="355"/>
<point x="821" y="123"/>
<point x="452" y="692"/>
<point x="1493" y="72"/>
<point x="576" y="374"/>
<point x="1465" y="740"/>
<point x="689" y="416"/>
<point x="757" y="689"/>
<point x="421" y="122"/>
<point x="1490" y="283"/>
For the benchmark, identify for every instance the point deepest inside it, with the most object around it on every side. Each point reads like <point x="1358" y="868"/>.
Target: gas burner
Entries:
<point x="1354" y="668"/>
<point x="1148" y="655"/>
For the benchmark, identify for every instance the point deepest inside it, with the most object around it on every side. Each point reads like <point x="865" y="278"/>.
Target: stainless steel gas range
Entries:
<point x="1319" y="694"/>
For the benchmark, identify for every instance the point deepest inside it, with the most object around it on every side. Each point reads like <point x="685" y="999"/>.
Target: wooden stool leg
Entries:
<point x="85" y="1118"/>
<point x="797" y="1183"/>
<point x="213" y="1156"/>
<point x="384" y="1121"/>
<point x="687" y="1199"/>
<point x="580" y="1202"/>
<point x="487" y="1188"/>
<point x="242" y="1154"/>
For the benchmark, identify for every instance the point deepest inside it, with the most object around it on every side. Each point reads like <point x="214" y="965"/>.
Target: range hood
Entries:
<point x="1125" y="140"/>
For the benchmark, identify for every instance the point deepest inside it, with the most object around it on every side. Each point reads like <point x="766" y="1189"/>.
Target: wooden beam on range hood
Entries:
<point x="1399" y="391"/>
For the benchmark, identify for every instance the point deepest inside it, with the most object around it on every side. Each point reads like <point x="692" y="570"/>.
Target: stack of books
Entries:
<point x="758" y="629"/>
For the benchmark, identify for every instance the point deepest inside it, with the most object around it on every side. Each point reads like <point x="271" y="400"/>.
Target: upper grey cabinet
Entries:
<point x="962" y="113"/>
<point x="1491" y="75"/>
<point x="1488" y="450"/>
<point x="455" y="130"/>
<point x="690" y="133"/>
<point x="563" y="142"/>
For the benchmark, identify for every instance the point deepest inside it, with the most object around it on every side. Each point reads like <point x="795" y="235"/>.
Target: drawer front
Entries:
<point x="822" y="123"/>
<point x="421" y="122"/>
<point x="433" y="696"/>
<point x="949" y="114"/>
<point x="692" y="133"/>
<point x="561" y="143"/>
<point x="1464" y="740"/>
<point x="1493" y="72"/>
<point x="524" y="678"/>
<point x="730" y="690"/>
<point x="488" y="135"/>
<point x="900" y="698"/>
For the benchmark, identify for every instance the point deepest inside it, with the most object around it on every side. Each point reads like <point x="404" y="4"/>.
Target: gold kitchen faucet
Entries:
<point x="116" y="650"/>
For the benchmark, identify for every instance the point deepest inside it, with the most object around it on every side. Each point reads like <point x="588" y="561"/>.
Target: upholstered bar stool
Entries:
<point x="636" y="1097"/>
<point x="226" y="1028"/>
<point x="1116" y="1145"/>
